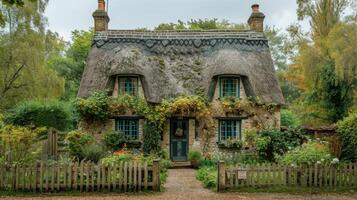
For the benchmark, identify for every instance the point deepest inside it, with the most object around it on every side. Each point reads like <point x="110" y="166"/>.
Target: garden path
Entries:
<point x="182" y="185"/>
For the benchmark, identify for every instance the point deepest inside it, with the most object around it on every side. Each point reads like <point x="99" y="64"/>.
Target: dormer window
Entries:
<point x="229" y="87"/>
<point x="128" y="85"/>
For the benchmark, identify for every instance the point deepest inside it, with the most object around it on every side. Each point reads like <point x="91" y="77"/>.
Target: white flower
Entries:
<point x="335" y="161"/>
<point x="318" y="162"/>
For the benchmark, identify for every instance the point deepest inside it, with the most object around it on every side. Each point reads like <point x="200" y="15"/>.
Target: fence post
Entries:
<point x="156" y="175"/>
<point x="221" y="186"/>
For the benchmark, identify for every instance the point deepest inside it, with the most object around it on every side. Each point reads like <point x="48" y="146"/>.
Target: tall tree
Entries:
<point x="23" y="70"/>
<point x="72" y="63"/>
<point x="328" y="97"/>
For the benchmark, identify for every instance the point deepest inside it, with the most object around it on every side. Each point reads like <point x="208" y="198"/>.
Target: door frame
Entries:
<point x="187" y="137"/>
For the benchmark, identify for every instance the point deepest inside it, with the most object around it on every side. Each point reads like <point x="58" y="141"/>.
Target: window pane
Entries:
<point x="129" y="127"/>
<point x="229" y="87"/>
<point x="229" y="129"/>
<point x="128" y="85"/>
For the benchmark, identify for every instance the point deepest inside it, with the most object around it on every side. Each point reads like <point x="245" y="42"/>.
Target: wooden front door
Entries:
<point x="179" y="139"/>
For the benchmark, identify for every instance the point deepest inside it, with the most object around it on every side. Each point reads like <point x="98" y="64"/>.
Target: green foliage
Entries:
<point x="195" y="156"/>
<point x="208" y="176"/>
<point x="24" y="74"/>
<point x="347" y="129"/>
<point x="51" y="114"/>
<point x="19" y="144"/>
<point x="271" y="143"/>
<point x="200" y="24"/>
<point x="151" y="138"/>
<point x="289" y="119"/>
<point x="93" y="152"/>
<point x="115" y="159"/>
<point x="93" y="108"/>
<point x="76" y="142"/>
<point x="2" y="123"/>
<point x="323" y="67"/>
<point x="333" y="94"/>
<point x="250" y="136"/>
<point x="307" y="154"/>
<point x="71" y="65"/>
<point x="115" y="140"/>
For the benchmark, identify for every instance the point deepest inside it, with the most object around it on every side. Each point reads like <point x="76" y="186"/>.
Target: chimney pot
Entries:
<point x="255" y="8"/>
<point x="101" y="5"/>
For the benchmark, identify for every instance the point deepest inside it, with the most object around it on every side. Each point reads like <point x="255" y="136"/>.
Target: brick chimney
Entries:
<point x="101" y="18"/>
<point x="256" y="19"/>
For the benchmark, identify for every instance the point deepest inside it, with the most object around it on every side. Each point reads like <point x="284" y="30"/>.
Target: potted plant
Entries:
<point x="195" y="157"/>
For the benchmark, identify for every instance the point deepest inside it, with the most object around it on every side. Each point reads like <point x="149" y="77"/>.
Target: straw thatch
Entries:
<point x="173" y="63"/>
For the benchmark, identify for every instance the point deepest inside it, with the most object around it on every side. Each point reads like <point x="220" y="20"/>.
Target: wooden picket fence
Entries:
<point x="272" y="175"/>
<point x="83" y="176"/>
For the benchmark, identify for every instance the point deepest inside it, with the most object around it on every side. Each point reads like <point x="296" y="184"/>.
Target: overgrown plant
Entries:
<point x="253" y="108"/>
<point x="43" y="113"/>
<point x="347" y="129"/>
<point x="19" y="144"/>
<point x="151" y="138"/>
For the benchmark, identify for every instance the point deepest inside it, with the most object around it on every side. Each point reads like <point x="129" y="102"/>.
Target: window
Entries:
<point x="229" y="129"/>
<point x="130" y="128"/>
<point x="229" y="87"/>
<point x="128" y="85"/>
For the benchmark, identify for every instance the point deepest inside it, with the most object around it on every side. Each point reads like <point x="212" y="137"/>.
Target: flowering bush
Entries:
<point x="93" y="108"/>
<point x="19" y="144"/>
<point x="308" y="154"/>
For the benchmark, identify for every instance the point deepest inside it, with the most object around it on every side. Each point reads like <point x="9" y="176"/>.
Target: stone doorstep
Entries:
<point x="179" y="164"/>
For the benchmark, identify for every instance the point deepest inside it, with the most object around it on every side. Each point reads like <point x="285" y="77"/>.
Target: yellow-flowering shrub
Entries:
<point x="19" y="144"/>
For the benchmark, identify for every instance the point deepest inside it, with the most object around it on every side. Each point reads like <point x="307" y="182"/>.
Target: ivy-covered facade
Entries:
<point x="201" y="89"/>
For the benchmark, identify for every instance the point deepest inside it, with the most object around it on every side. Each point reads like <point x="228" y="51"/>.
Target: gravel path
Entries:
<point x="182" y="185"/>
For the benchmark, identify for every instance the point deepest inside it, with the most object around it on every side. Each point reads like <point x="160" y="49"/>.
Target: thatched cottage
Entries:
<point x="162" y="65"/>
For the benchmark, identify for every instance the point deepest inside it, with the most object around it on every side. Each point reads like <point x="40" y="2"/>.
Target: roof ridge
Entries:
<point x="180" y="30"/>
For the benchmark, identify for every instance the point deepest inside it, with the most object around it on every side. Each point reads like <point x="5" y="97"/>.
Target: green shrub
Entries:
<point x="250" y="136"/>
<point x="115" y="159"/>
<point x="2" y="124"/>
<point x="208" y="176"/>
<point x="274" y="142"/>
<point x="93" y="152"/>
<point x="195" y="155"/>
<point x="307" y="154"/>
<point x="19" y="144"/>
<point x="114" y="140"/>
<point x="347" y="131"/>
<point x="76" y="142"/>
<point x="289" y="119"/>
<point x="93" y="108"/>
<point x="151" y="138"/>
<point x="53" y="113"/>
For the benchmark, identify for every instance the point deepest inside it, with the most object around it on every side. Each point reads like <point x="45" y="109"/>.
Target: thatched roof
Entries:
<point x="173" y="63"/>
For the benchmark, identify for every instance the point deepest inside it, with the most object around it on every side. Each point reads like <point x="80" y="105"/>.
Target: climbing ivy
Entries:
<point x="102" y="107"/>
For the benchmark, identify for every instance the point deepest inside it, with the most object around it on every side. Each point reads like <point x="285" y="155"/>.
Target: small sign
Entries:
<point x="242" y="174"/>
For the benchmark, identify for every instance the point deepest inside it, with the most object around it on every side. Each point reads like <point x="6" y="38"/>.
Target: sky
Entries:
<point x="64" y="16"/>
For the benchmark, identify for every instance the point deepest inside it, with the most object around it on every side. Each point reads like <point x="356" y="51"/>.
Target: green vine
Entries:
<point x="102" y="107"/>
